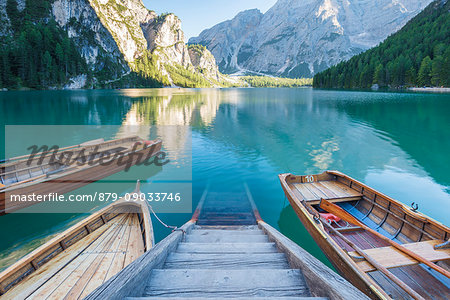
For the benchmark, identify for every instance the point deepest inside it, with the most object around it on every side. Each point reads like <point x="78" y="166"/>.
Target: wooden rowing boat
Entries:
<point x="226" y="251"/>
<point x="383" y="224"/>
<point x="78" y="260"/>
<point x="68" y="168"/>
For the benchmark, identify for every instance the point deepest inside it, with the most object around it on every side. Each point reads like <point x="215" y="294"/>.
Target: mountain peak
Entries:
<point x="301" y="37"/>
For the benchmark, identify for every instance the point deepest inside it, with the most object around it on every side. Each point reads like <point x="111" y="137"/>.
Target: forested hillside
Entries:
<point x="417" y="55"/>
<point x="98" y="44"/>
<point x="38" y="52"/>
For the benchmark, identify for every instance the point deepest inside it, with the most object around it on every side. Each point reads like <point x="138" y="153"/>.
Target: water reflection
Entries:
<point x="243" y="134"/>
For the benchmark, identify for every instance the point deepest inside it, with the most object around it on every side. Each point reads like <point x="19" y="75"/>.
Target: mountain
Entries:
<point x="302" y="37"/>
<point x="104" y="43"/>
<point x="416" y="55"/>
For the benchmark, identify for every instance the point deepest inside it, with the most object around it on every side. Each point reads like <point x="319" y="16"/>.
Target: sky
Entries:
<point x="197" y="15"/>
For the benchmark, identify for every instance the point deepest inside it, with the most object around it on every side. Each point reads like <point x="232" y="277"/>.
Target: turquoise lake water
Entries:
<point x="398" y="143"/>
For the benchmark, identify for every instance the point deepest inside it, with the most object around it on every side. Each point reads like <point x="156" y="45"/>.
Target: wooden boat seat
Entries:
<point x="330" y="190"/>
<point x="390" y="257"/>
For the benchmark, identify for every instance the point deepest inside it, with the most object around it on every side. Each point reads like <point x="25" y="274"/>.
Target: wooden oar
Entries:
<point x="344" y="215"/>
<point x="374" y="263"/>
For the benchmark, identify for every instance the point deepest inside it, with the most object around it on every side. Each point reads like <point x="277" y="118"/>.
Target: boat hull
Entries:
<point x="386" y="215"/>
<point x="66" y="183"/>
<point x="79" y="259"/>
<point x="334" y="255"/>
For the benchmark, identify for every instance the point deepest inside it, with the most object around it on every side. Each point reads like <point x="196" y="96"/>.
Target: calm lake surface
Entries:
<point x="398" y="143"/>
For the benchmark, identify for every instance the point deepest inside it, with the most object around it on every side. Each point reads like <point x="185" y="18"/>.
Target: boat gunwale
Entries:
<point x="15" y="160"/>
<point x="71" y="171"/>
<point x="417" y="215"/>
<point x="146" y="234"/>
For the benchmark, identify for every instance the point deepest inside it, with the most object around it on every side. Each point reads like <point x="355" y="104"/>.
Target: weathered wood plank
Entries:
<point x="228" y="261"/>
<point x="315" y="191"/>
<point x="50" y="286"/>
<point x="212" y="283"/>
<point x="227" y="248"/>
<point x="243" y="231"/>
<point x="333" y="186"/>
<point x="227" y="298"/>
<point x="229" y="238"/>
<point x="388" y="286"/>
<point x="112" y="262"/>
<point x="119" y="256"/>
<point x="44" y="273"/>
<point x="225" y="227"/>
<point x="129" y="282"/>
<point x="73" y="285"/>
<point x="135" y="247"/>
<point x="307" y="195"/>
<point x="322" y="281"/>
<point x="390" y="257"/>
<point x="329" y="193"/>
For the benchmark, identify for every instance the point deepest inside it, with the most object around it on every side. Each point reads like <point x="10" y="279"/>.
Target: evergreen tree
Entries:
<point x="411" y="76"/>
<point x="419" y="53"/>
<point x="47" y="66"/>
<point x="437" y="78"/>
<point x="378" y="75"/>
<point x="13" y="13"/>
<point x="424" y="75"/>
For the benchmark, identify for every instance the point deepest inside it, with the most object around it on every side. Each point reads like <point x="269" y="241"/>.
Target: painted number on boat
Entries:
<point x="309" y="178"/>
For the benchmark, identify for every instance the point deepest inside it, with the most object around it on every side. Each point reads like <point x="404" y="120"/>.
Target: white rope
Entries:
<point x="174" y="228"/>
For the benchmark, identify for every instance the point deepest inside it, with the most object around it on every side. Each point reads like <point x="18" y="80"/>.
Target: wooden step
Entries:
<point x="226" y="238"/>
<point x="226" y="261"/>
<point x="226" y="217"/>
<point x="227" y="248"/>
<point x="226" y="227"/>
<point x="226" y="298"/>
<point x="226" y="283"/>
<point x="226" y="232"/>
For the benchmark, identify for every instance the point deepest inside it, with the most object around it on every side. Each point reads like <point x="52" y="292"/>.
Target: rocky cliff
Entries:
<point x="121" y="40"/>
<point x="94" y="40"/>
<point x="4" y="20"/>
<point x="204" y="61"/>
<point x="166" y="39"/>
<point x="301" y="37"/>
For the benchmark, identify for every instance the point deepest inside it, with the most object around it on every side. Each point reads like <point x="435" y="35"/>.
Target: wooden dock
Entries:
<point x="227" y="251"/>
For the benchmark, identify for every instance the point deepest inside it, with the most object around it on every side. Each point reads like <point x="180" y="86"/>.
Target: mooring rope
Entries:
<point x="174" y="228"/>
<point x="136" y="195"/>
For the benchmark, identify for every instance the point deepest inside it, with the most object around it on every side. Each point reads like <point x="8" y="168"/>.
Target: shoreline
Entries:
<point x="430" y="89"/>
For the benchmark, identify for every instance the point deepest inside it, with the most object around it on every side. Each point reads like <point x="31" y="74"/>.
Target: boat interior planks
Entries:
<point x="83" y="257"/>
<point x="404" y="225"/>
